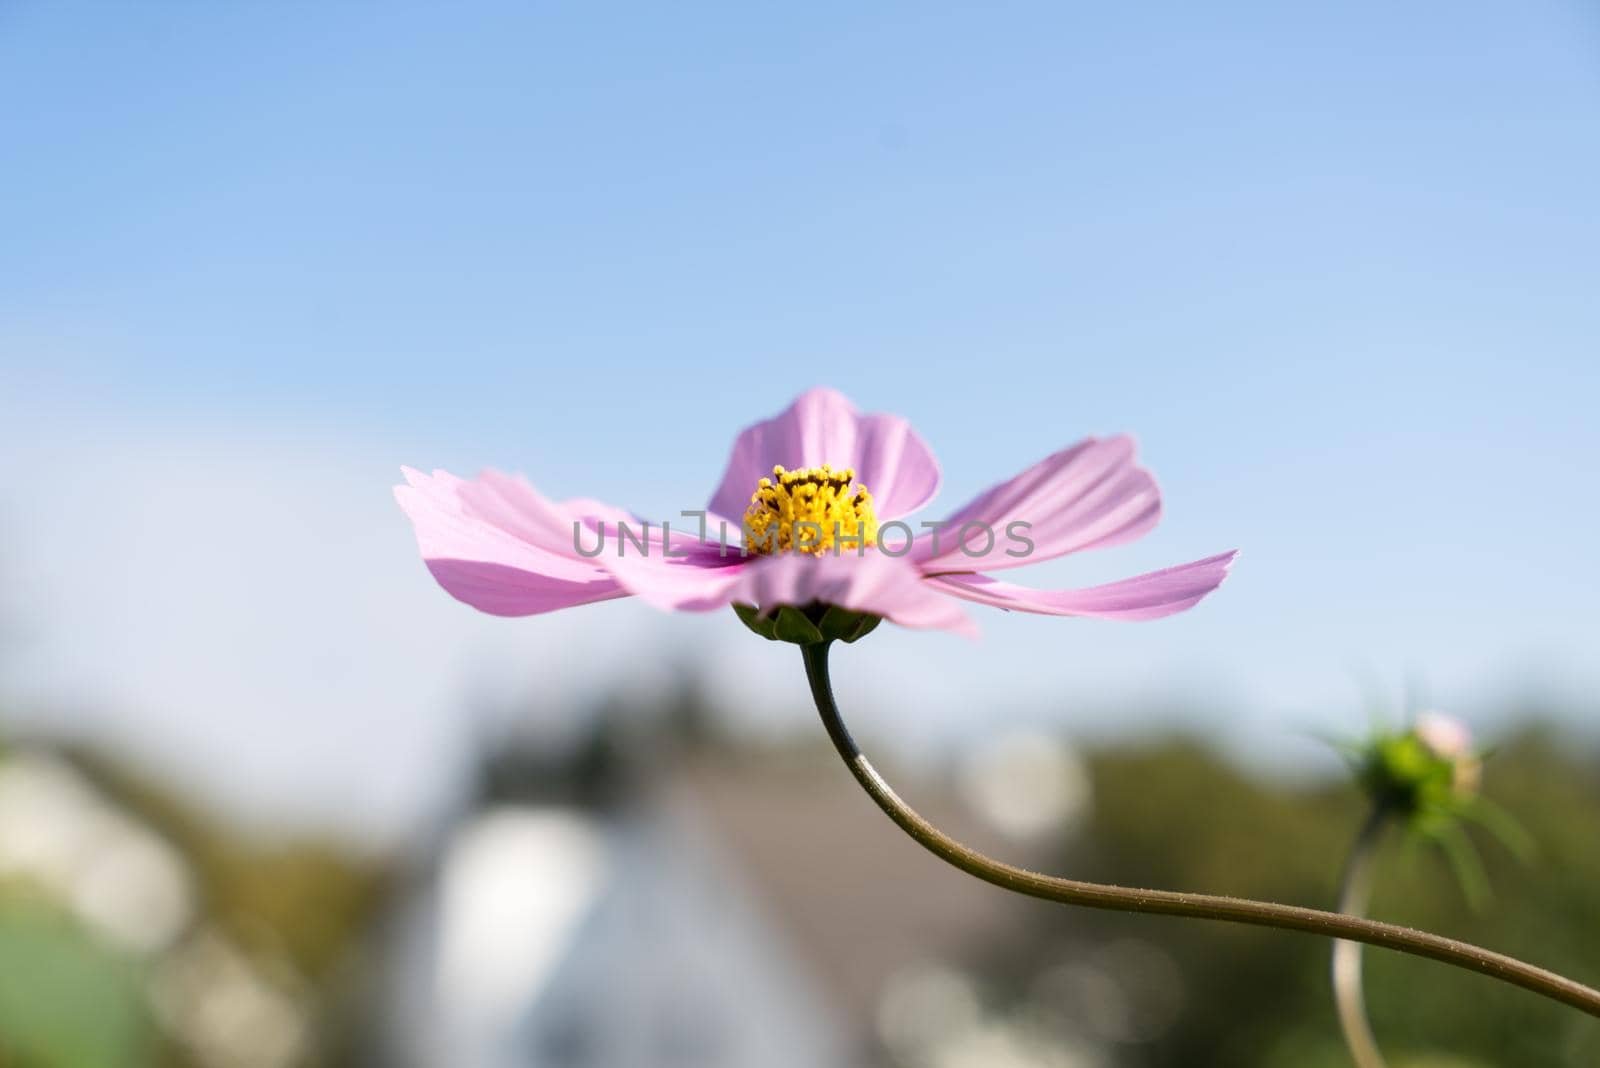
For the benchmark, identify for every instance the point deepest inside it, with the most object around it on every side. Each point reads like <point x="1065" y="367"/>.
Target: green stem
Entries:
<point x="1355" y="891"/>
<point x="1173" y="902"/>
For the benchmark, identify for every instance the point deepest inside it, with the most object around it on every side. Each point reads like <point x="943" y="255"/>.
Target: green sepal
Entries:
<point x="793" y="626"/>
<point x="1400" y="771"/>
<point x="752" y="618"/>
<point x="844" y="625"/>
<point x="809" y="625"/>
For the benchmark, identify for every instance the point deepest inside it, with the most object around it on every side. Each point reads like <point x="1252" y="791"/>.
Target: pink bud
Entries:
<point x="1446" y="736"/>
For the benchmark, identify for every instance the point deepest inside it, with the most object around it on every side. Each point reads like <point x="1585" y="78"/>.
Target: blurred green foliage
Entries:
<point x="1177" y="816"/>
<point x="300" y="909"/>
<point x="65" y="999"/>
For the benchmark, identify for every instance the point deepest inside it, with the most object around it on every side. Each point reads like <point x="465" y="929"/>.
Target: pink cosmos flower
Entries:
<point x="816" y="499"/>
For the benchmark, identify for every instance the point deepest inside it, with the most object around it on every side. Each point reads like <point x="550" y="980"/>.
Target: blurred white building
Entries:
<point x="733" y="916"/>
<point x="556" y="938"/>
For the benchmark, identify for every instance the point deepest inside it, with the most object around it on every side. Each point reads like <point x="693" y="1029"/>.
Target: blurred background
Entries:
<point x="269" y="798"/>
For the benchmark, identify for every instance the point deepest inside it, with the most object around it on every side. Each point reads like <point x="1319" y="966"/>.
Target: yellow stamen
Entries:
<point x="834" y="516"/>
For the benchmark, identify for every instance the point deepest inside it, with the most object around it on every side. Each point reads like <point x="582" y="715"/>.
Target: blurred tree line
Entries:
<point x="1150" y="992"/>
<point x="1175" y="816"/>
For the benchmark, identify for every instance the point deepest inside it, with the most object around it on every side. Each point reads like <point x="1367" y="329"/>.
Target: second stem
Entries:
<point x="1355" y="891"/>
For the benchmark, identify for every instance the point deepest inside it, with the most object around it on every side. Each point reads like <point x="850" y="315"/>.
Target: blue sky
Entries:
<point x="1337" y="269"/>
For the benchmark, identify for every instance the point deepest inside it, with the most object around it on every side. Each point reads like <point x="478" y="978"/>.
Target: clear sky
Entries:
<point x="1338" y="269"/>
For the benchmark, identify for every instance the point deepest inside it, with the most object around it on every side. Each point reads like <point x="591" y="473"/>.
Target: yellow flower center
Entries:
<point x="812" y="510"/>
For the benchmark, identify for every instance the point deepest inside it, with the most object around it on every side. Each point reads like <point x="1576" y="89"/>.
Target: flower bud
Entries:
<point x="1428" y="774"/>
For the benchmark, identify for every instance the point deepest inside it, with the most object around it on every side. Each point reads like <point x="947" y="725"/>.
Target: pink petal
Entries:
<point x="871" y="582"/>
<point x="500" y="590"/>
<point x="604" y="521"/>
<point x="823" y="427"/>
<point x="1088" y="496"/>
<point x="698" y="582"/>
<point x="496" y="553"/>
<point x="511" y="503"/>
<point x="1151" y="596"/>
<point x="674" y="573"/>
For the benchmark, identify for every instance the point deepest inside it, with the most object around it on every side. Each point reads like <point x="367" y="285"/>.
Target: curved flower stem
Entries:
<point x="1174" y="902"/>
<point x="1355" y="891"/>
